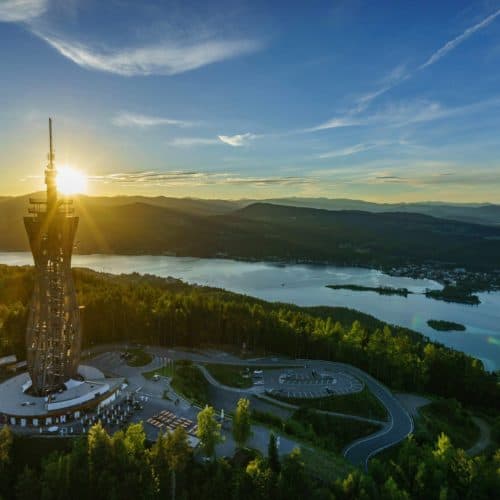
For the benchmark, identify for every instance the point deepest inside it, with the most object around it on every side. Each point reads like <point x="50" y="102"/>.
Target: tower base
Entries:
<point x="94" y="391"/>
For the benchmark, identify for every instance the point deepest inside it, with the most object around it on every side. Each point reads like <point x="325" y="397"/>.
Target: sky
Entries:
<point x="385" y="101"/>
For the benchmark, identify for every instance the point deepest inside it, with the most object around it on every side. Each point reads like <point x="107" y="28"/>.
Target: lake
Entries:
<point x="304" y="285"/>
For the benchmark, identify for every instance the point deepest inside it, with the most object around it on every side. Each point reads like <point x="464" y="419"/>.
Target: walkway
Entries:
<point x="484" y="437"/>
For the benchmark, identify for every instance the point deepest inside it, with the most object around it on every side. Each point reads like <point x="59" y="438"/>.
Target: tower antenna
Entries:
<point x="51" y="152"/>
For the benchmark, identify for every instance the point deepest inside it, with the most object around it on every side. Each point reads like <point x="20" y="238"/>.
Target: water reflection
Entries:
<point x="305" y="285"/>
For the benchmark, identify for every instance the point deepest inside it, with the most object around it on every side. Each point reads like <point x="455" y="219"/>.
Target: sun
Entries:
<point x="71" y="180"/>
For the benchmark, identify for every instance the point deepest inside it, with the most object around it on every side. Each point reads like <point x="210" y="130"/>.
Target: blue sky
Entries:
<point x="386" y="101"/>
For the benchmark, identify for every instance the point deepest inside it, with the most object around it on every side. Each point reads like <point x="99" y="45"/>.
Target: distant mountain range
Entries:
<point x="273" y="230"/>
<point x="468" y="212"/>
<point x="477" y="213"/>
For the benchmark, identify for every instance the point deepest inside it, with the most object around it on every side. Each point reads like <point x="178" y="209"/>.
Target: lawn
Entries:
<point x="189" y="382"/>
<point x="138" y="357"/>
<point x="327" y="432"/>
<point x="164" y="371"/>
<point x="448" y="416"/>
<point x="231" y="375"/>
<point x="362" y="404"/>
<point x="325" y="465"/>
<point x="324" y="431"/>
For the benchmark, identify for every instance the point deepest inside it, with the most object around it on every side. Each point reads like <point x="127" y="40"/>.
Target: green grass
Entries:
<point x="231" y="375"/>
<point x="325" y="465"/>
<point x="164" y="371"/>
<point x="186" y="380"/>
<point x="267" y="419"/>
<point x="362" y="404"/>
<point x="138" y="357"/>
<point x="448" y="416"/>
<point x="327" y="432"/>
<point x="189" y="382"/>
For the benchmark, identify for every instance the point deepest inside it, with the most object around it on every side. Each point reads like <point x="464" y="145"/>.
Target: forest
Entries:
<point x="124" y="466"/>
<point x="152" y="310"/>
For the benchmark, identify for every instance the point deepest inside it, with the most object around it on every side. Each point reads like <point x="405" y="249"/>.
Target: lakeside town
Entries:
<point x="474" y="281"/>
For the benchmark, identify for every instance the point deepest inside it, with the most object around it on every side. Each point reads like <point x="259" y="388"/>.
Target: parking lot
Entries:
<point x="304" y="383"/>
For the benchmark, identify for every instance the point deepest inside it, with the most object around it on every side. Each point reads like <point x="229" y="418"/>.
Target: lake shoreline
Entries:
<point x="305" y="285"/>
<point x="477" y="281"/>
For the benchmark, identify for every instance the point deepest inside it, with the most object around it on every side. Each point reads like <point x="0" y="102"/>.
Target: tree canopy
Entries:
<point x="152" y="310"/>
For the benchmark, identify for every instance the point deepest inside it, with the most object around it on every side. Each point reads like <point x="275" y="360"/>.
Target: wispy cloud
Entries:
<point x="127" y="119"/>
<point x="269" y="181"/>
<point x="400" y="74"/>
<point x="349" y="151"/>
<point x="193" y="141"/>
<point x="444" y="178"/>
<point x="338" y="122"/>
<point x="394" y="78"/>
<point x="21" y="10"/>
<point x="407" y="112"/>
<point x="404" y="113"/>
<point x="162" y="58"/>
<point x="237" y="140"/>
<point x="394" y="114"/>
<point x="452" y="44"/>
<point x="184" y="178"/>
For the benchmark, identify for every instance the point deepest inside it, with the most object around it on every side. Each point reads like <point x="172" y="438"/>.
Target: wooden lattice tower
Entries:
<point x="53" y="334"/>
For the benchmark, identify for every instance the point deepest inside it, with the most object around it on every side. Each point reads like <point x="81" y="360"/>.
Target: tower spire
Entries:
<point x="50" y="176"/>
<point x="51" y="150"/>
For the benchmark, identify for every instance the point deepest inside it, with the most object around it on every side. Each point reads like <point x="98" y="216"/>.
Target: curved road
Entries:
<point x="400" y="423"/>
<point x="399" y="427"/>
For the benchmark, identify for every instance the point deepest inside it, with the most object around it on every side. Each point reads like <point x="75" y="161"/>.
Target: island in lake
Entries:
<point x="382" y="290"/>
<point x="458" y="294"/>
<point x="445" y="326"/>
<point x="449" y="293"/>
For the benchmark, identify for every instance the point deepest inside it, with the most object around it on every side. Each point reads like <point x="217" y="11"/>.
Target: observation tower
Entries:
<point x="56" y="389"/>
<point x="53" y="336"/>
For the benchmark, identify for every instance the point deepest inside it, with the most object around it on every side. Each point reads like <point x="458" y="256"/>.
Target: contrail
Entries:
<point x="449" y="46"/>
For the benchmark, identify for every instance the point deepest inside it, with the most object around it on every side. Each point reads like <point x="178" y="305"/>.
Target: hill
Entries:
<point x="467" y="212"/>
<point x="206" y="228"/>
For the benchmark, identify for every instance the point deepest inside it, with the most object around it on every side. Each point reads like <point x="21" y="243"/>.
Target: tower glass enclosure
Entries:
<point x="53" y="334"/>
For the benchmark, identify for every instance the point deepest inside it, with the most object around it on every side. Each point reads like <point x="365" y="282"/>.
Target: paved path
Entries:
<point x="484" y="438"/>
<point x="400" y="423"/>
<point x="110" y="361"/>
<point x="412" y="402"/>
<point x="212" y="380"/>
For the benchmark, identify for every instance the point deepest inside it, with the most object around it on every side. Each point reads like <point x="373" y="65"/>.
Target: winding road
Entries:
<point x="398" y="427"/>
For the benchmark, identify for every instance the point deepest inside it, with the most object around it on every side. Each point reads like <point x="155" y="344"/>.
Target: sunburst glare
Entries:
<point x="71" y="180"/>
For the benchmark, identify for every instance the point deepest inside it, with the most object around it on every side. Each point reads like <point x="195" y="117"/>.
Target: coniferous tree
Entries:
<point x="273" y="454"/>
<point x="242" y="428"/>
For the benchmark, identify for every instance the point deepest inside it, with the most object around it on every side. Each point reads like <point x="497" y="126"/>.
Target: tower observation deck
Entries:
<point x="53" y="336"/>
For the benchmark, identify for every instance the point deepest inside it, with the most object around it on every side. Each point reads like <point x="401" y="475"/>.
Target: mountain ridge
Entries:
<point x="267" y="231"/>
